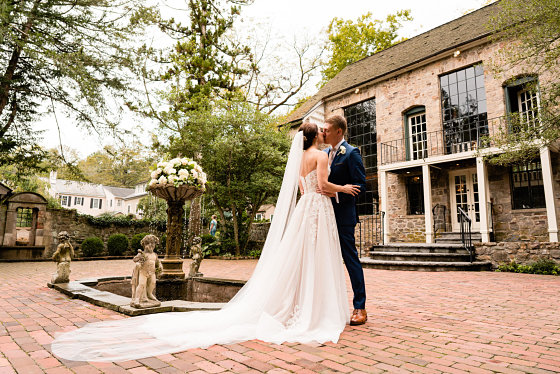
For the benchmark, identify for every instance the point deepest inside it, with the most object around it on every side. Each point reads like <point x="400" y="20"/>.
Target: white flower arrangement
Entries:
<point x="342" y="150"/>
<point x="178" y="171"/>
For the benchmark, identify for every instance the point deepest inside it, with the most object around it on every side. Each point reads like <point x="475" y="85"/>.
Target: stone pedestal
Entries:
<point x="175" y="196"/>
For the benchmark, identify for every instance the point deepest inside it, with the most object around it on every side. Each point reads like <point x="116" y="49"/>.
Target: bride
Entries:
<point x="297" y="292"/>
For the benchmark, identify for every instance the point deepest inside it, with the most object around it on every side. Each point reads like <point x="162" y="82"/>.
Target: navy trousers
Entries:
<point x="353" y="265"/>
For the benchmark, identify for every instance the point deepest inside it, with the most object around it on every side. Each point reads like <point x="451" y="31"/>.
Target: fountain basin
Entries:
<point x="180" y="295"/>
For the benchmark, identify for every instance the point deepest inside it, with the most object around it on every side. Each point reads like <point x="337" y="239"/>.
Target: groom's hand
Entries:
<point x="332" y="194"/>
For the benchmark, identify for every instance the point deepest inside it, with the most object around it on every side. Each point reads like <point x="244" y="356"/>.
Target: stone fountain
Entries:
<point x="172" y="283"/>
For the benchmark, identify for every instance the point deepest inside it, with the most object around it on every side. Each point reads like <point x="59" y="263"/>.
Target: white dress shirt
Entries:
<point x="331" y="159"/>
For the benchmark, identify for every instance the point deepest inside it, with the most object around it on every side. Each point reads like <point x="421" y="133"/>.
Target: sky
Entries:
<point x="288" y="17"/>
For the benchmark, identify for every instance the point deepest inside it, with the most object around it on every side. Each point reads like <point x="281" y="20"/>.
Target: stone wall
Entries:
<point x="511" y="225"/>
<point x="521" y="253"/>
<point x="79" y="228"/>
<point x="260" y="231"/>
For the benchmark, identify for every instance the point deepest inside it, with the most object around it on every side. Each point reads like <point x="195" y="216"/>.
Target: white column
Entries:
<point x="549" y="194"/>
<point x="384" y="204"/>
<point x="483" y="198"/>
<point x="427" y="184"/>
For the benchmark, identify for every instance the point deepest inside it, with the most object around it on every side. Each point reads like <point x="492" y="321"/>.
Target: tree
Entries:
<point x="243" y="155"/>
<point x="349" y="42"/>
<point x="118" y="166"/>
<point x="153" y="208"/>
<point x="199" y="68"/>
<point x="529" y="33"/>
<point x="69" y="55"/>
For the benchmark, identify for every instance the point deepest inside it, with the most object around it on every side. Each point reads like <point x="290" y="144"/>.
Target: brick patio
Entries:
<point x="452" y="322"/>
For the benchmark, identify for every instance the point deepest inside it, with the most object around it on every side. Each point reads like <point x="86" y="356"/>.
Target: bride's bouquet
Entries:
<point x="178" y="171"/>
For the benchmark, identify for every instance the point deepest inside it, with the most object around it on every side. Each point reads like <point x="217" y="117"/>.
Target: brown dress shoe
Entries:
<point x="359" y="317"/>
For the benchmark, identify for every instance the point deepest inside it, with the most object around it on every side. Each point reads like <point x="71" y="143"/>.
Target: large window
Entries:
<point x="24" y="217"/>
<point x="522" y="102"/>
<point x="415" y="192"/>
<point x="78" y="200"/>
<point x="463" y="99"/>
<point x="527" y="189"/>
<point x="362" y="133"/>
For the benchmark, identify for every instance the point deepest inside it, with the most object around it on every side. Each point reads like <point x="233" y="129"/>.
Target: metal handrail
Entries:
<point x="441" y="207"/>
<point x="382" y="227"/>
<point x="466" y="233"/>
<point x="465" y="136"/>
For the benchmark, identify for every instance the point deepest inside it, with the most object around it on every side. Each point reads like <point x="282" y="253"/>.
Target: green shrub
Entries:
<point x="255" y="253"/>
<point x="92" y="247"/>
<point x="135" y="241"/>
<point x="162" y="242"/>
<point x="207" y="239"/>
<point x="117" y="244"/>
<point x="542" y="266"/>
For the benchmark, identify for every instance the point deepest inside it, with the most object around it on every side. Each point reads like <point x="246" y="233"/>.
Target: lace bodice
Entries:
<point x="310" y="182"/>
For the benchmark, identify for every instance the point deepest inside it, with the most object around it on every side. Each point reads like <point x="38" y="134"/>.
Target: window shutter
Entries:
<point x="83" y="201"/>
<point x="91" y="203"/>
<point x="69" y="201"/>
<point x="100" y="201"/>
<point x="76" y="200"/>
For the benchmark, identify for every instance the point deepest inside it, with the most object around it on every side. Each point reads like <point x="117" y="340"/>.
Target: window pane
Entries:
<point x="462" y="86"/>
<point x="480" y="81"/>
<point x="461" y="75"/>
<point x="452" y="78"/>
<point x="478" y="69"/>
<point x="469" y="72"/>
<point x="444" y="80"/>
<point x="453" y="89"/>
<point x="482" y="106"/>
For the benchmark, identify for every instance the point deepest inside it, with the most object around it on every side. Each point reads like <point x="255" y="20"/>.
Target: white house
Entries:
<point x="95" y="199"/>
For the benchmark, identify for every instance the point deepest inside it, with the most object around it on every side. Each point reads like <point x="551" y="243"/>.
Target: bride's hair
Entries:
<point x="310" y="131"/>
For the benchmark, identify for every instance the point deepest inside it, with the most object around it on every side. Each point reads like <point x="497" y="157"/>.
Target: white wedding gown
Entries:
<point x="297" y="292"/>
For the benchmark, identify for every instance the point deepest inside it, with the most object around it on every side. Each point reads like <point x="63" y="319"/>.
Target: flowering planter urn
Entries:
<point x="176" y="198"/>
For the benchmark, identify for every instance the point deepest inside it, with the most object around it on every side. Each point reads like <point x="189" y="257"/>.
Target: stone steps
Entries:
<point x="419" y="256"/>
<point x="419" y="248"/>
<point x="455" y="237"/>
<point x="422" y="257"/>
<point x="424" y="265"/>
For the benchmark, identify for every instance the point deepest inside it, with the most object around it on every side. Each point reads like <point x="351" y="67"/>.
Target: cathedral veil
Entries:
<point x="258" y="311"/>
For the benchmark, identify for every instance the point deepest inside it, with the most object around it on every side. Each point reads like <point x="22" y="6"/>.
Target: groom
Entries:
<point x="347" y="168"/>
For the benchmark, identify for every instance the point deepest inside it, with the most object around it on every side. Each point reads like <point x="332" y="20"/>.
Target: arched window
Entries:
<point x="416" y="133"/>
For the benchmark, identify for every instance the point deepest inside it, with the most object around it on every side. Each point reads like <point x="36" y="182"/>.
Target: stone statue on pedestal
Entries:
<point x="63" y="257"/>
<point x="197" y="256"/>
<point x="144" y="274"/>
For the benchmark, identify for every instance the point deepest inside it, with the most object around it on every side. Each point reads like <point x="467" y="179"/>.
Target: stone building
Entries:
<point x="419" y="112"/>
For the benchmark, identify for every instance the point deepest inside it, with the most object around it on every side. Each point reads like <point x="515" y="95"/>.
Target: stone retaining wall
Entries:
<point x="520" y="252"/>
<point x="79" y="228"/>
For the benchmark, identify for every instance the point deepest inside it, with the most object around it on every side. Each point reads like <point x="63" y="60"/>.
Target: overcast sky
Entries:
<point x="289" y="17"/>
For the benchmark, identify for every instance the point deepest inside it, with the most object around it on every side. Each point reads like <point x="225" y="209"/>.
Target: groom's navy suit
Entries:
<point x="348" y="168"/>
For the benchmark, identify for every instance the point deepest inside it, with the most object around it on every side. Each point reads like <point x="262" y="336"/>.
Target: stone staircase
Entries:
<point x="422" y="257"/>
<point x="455" y="237"/>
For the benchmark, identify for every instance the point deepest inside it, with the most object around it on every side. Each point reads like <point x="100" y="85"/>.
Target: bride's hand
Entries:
<point x="351" y="189"/>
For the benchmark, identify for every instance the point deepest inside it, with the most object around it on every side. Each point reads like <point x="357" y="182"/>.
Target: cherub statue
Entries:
<point x="197" y="256"/>
<point x="144" y="274"/>
<point x="63" y="257"/>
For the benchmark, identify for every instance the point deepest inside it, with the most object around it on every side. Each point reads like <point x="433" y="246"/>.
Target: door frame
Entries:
<point x="455" y="225"/>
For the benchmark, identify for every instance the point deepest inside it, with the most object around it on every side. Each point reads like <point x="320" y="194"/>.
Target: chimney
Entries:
<point x="52" y="179"/>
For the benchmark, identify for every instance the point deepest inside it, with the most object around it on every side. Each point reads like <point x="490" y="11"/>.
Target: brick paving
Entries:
<point x="418" y="322"/>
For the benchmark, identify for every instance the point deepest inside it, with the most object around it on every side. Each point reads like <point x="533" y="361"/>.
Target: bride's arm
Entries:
<point x="323" y="176"/>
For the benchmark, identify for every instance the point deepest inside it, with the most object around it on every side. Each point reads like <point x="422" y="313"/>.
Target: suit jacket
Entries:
<point x="347" y="168"/>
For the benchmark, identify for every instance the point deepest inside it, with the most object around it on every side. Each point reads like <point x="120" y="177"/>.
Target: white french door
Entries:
<point x="418" y="136"/>
<point x="464" y="195"/>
